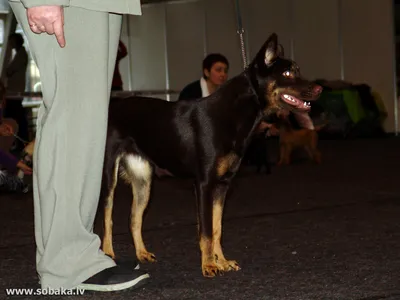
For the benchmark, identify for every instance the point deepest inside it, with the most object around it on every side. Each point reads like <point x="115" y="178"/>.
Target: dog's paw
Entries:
<point x="211" y="270"/>
<point x="145" y="256"/>
<point x="228" y="265"/>
<point x="108" y="250"/>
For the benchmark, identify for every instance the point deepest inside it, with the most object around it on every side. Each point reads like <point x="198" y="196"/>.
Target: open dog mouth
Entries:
<point x="296" y="102"/>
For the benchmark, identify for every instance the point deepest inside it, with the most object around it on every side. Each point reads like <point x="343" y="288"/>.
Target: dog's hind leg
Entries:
<point x="218" y="207"/>
<point x="317" y="154"/>
<point x="111" y="175"/>
<point x="312" y="149"/>
<point x="139" y="173"/>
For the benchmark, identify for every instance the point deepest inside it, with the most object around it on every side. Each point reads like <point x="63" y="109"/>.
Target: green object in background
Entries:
<point x="354" y="106"/>
<point x="343" y="102"/>
<point x="350" y="115"/>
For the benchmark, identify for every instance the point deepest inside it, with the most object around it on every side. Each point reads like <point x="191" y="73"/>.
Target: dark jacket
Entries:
<point x="191" y="92"/>
<point x="8" y="160"/>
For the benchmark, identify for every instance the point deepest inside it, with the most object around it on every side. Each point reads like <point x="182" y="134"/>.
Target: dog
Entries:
<point x="204" y="140"/>
<point x="291" y="139"/>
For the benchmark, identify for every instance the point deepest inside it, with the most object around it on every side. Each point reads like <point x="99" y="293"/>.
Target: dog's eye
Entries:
<point x="288" y="74"/>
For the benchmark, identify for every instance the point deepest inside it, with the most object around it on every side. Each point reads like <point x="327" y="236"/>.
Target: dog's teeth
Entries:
<point x="290" y="98"/>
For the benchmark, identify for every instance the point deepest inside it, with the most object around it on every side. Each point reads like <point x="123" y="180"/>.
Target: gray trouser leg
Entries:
<point x="70" y="142"/>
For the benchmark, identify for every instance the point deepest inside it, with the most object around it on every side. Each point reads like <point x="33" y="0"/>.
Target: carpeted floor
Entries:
<point x="305" y="232"/>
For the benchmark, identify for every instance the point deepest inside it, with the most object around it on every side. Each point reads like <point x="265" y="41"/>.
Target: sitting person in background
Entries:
<point x="9" y="181"/>
<point x="9" y="164"/>
<point x="5" y="130"/>
<point x="215" y="73"/>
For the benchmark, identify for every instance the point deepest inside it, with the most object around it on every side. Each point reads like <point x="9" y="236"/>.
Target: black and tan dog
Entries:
<point x="204" y="140"/>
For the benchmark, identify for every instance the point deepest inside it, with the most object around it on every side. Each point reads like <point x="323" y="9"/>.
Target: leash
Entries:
<point x="240" y="31"/>
<point x="22" y="140"/>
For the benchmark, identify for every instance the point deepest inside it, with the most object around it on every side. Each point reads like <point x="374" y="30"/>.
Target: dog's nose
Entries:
<point x="318" y="89"/>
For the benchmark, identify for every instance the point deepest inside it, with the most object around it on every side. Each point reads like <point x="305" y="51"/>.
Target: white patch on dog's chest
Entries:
<point x="138" y="166"/>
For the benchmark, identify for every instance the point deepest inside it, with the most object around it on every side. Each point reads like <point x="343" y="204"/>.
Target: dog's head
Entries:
<point x="278" y="80"/>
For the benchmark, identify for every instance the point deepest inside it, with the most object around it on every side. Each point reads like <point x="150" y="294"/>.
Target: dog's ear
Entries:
<point x="271" y="49"/>
<point x="268" y="52"/>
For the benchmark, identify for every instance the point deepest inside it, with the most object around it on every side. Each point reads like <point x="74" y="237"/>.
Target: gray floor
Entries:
<point x="304" y="232"/>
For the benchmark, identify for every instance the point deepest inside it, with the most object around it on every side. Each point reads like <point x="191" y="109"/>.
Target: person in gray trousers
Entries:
<point x="74" y="44"/>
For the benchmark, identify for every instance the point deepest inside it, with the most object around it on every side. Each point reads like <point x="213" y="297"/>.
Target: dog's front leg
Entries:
<point x="210" y="202"/>
<point x="204" y="198"/>
<point x="218" y="207"/>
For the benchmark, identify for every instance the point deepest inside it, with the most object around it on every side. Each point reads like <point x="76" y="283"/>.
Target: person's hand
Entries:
<point x="49" y="19"/>
<point x="26" y="169"/>
<point x="6" y="130"/>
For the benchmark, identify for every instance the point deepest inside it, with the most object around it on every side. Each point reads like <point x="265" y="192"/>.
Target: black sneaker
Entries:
<point x="115" y="279"/>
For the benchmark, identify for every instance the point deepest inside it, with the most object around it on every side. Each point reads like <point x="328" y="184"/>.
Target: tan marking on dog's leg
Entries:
<point x="108" y="208"/>
<point x="217" y="231"/>
<point x="223" y="264"/>
<point x="208" y="264"/>
<point x="140" y="174"/>
<point x="224" y="163"/>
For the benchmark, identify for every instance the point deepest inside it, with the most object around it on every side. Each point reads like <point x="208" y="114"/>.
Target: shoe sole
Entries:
<point x="136" y="283"/>
<point x="136" y="268"/>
